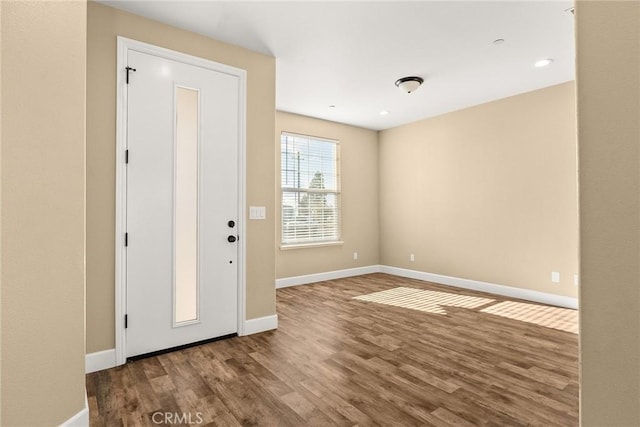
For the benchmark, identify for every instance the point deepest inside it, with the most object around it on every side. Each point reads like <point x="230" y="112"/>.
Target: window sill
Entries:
<point x="310" y="245"/>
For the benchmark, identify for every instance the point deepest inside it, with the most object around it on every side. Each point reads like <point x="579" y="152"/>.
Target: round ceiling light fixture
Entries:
<point x="409" y="84"/>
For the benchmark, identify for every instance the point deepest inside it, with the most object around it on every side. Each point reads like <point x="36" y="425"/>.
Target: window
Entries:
<point x="310" y="185"/>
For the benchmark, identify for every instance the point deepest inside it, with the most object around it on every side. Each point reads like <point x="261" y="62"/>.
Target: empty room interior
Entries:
<point x="320" y="213"/>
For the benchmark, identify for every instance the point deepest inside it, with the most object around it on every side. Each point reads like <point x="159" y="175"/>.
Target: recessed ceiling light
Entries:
<point x="543" y="62"/>
<point x="384" y="112"/>
<point x="498" y="41"/>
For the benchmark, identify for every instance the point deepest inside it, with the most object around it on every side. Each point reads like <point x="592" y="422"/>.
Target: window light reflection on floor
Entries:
<point x="435" y="302"/>
<point x="423" y="300"/>
<point x="563" y="319"/>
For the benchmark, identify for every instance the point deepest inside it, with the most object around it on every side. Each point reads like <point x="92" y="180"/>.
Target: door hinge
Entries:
<point x="129" y="69"/>
<point x="126" y="321"/>
<point x="126" y="156"/>
<point x="126" y="239"/>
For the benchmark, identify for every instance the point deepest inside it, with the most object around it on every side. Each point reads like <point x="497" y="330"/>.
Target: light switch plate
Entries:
<point x="257" y="212"/>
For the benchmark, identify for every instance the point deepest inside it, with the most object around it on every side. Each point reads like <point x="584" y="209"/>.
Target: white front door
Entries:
<point x="181" y="204"/>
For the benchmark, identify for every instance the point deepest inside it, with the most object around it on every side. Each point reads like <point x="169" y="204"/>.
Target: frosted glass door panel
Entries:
<point x="186" y="206"/>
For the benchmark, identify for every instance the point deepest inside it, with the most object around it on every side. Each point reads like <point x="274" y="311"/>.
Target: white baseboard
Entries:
<point x="329" y="275"/>
<point x="260" y="324"/>
<point x="492" y="288"/>
<point x="81" y="419"/>
<point x="100" y="360"/>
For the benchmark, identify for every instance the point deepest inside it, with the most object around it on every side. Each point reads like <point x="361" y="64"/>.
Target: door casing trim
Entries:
<point x="124" y="45"/>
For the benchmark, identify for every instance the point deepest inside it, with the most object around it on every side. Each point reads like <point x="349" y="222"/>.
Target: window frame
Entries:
<point x="304" y="243"/>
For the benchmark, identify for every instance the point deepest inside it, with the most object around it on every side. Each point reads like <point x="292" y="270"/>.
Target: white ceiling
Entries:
<point x="349" y="54"/>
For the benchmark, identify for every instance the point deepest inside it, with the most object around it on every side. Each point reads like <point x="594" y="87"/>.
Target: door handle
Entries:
<point x="231" y="239"/>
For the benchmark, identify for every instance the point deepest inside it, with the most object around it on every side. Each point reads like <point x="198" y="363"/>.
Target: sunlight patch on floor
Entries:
<point x="423" y="300"/>
<point x="564" y="319"/>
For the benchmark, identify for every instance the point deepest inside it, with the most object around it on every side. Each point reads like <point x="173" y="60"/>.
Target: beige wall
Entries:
<point x="359" y="198"/>
<point x="487" y="193"/>
<point x="0" y="213"/>
<point x="608" y="88"/>
<point x="43" y="191"/>
<point x="104" y="24"/>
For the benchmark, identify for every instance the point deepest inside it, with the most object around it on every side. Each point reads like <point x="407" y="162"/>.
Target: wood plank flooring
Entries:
<point x="336" y="360"/>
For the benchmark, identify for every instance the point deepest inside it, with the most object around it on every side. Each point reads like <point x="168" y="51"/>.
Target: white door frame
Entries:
<point x="124" y="45"/>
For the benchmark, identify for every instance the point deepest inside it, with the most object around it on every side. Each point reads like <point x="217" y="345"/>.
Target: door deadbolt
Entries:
<point x="231" y="224"/>
<point x="231" y="239"/>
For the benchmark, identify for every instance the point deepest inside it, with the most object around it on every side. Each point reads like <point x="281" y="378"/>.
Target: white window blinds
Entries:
<point x="310" y="186"/>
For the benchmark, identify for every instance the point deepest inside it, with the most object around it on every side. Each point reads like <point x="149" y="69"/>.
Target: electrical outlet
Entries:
<point x="576" y="280"/>
<point x="412" y="258"/>
<point x="355" y="255"/>
<point x="555" y="276"/>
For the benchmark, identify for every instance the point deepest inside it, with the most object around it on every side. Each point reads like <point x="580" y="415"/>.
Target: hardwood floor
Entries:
<point x="437" y="359"/>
